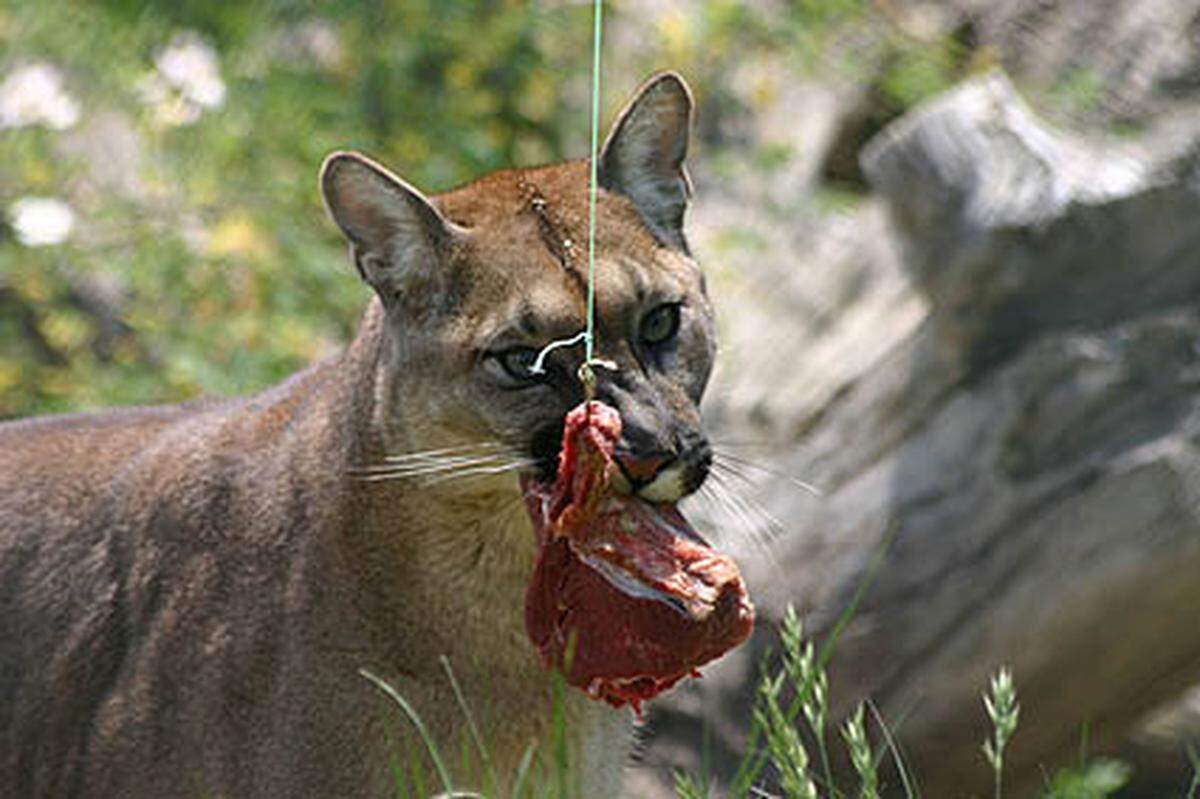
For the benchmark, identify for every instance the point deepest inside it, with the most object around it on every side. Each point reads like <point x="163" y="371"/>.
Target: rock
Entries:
<point x="839" y="295"/>
<point x="1006" y="406"/>
<point x="1077" y="572"/>
<point x="1104" y="60"/>
<point x="1161" y="741"/>
<point x="1008" y="210"/>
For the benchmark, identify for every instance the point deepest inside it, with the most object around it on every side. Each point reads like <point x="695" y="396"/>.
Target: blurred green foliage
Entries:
<point x="206" y="264"/>
<point x="1095" y="779"/>
<point x="202" y="261"/>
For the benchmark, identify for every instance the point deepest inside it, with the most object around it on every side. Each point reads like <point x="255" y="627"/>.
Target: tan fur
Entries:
<point x="188" y="593"/>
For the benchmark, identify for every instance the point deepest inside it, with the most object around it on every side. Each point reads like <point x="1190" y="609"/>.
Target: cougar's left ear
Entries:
<point x="643" y="155"/>
<point x="395" y="233"/>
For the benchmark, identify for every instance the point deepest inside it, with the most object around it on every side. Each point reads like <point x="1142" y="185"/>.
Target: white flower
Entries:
<point x="34" y="95"/>
<point x="40" y="221"/>
<point x="151" y="89"/>
<point x="318" y="40"/>
<point x="191" y="65"/>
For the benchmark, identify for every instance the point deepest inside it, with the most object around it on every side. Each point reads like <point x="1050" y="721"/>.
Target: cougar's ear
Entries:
<point x="393" y="230"/>
<point x="643" y="155"/>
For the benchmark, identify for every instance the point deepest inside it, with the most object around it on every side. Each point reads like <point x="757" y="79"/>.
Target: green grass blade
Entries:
<point x="417" y="772"/>
<point x="399" y="778"/>
<point x="687" y="788"/>
<point x="1083" y="743"/>
<point x="1194" y="759"/>
<point x="756" y="758"/>
<point x="489" y="773"/>
<point x="415" y="719"/>
<point x="559" y="740"/>
<point x="523" y="770"/>
<point x="826" y="768"/>
<point x="911" y="789"/>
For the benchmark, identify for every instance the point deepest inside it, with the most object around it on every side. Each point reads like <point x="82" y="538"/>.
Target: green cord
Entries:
<point x="591" y="292"/>
<point x="587" y="374"/>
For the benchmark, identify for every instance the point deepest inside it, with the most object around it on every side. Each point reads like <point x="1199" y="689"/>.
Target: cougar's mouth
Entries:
<point x="626" y="597"/>
<point x="678" y="477"/>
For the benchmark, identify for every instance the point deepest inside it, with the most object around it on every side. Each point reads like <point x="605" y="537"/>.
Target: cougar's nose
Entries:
<point x="641" y="470"/>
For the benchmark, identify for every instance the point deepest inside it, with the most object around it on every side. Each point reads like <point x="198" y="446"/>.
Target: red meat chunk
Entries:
<point x="626" y="598"/>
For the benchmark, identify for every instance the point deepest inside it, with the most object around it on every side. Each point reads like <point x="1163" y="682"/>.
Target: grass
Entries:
<point x="1193" y="789"/>
<point x="801" y="672"/>
<point x="1003" y="710"/>
<point x="789" y="739"/>
<point x="543" y="774"/>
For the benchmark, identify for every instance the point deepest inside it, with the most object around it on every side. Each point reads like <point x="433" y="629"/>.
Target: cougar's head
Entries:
<point x="474" y="283"/>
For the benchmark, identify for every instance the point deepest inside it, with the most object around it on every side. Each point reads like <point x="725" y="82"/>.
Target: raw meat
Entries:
<point x="626" y="598"/>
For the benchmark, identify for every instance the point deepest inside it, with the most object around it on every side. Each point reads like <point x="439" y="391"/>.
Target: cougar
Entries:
<point x="189" y="593"/>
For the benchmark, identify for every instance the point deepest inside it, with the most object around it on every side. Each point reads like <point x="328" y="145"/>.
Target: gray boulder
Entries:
<point x="1006" y="405"/>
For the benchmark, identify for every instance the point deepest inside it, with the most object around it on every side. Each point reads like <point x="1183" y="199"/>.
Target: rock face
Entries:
<point x="1121" y="59"/>
<point x="1006" y="404"/>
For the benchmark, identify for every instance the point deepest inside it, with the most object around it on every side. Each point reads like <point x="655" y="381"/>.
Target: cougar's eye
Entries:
<point x="517" y="362"/>
<point x="660" y="325"/>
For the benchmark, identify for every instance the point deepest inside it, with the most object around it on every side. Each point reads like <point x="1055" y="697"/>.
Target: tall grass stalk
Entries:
<point x="686" y="787"/>
<point x="489" y="773"/>
<point x="1002" y="708"/>
<point x="1194" y="759"/>
<point x="854" y="733"/>
<point x="802" y="673"/>
<point x="415" y="719"/>
<point x="911" y="789"/>
<point x="800" y="664"/>
<point x="792" y="694"/>
<point x="562" y="771"/>
<point x="757" y="757"/>
<point x="518" y="789"/>
<point x="783" y="741"/>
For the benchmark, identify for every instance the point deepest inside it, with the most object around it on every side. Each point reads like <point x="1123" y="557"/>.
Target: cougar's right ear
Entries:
<point x="395" y="233"/>
<point x="644" y="153"/>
